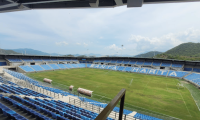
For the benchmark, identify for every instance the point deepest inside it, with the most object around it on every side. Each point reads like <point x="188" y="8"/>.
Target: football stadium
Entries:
<point x="93" y="64"/>
<point x="64" y="88"/>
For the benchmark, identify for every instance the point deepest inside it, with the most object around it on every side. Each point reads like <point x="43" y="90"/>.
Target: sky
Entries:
<point x="152" y="27"/>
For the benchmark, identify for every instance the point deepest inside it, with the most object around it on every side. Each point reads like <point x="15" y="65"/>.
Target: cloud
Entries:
<point x="114" y="47"/>
<point x="78" y="43"/>
<point x="165" y="42"/>
<point x="101" y="37"/>
<point x="85" y="44"/>
<point x="64" y="43"/>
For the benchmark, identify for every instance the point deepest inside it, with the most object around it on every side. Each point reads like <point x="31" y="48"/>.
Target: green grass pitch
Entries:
<point x="155" y="93"/>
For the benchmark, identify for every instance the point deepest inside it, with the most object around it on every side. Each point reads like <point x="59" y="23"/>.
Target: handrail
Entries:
<point x="105" y="113"/>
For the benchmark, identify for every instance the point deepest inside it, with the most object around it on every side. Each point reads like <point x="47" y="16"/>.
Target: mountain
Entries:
<point x="148" y="54"/>
<point x="28" y="51"/>
<point x="185" y="51"/>
<point x="2" y="51"/>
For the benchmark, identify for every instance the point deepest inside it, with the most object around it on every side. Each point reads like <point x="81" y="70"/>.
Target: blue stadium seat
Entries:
<point x="132" y="62"/>
<point x="196" y="69"/>
<point x="96" y="61"/>
<point x="27" y="59"/>
<point x="62" y="66"/>
<point x="135" y="69"/>
<point x="187" y="69"/>
<point x="140" y="63"/>
<point x="36" y="67"/>
<point x="68" y="65"/>
<point x="54" y="66"/>
<point x="128" y="69"/>
<point x="143" y="70"/>
<point x="107" y="61"/>
<point x="113" y="61"/>
<point x="47" y="59"/>
<point x="88" y="65"/>
<point x="177" y="65"/>
<point x="119" y="61"/>
<point x="125" y="62"/>
<point x="148" y="63"/>
<point x="37" y="60"/>
<point x="177" y="73"/>
<point x="46" y="67"/>
<point x="152" y="71"/>
<point x="194" y="77"/>
<point x="156" y="63"/>
<point x="162" y="72"/>
<point x="3" y="63"/>
<point x="166" y="64"/>
<point x="14" y="60"/>
<point x="27" y="68"/>
<point x="121" y="68"/>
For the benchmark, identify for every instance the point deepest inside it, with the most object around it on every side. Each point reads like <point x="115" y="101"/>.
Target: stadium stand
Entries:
<point x="143" y="70"/>
<point x="114" y="67"/>
<point x="177" y="73"/>
<point x="54" y="60"/>
<point x="120" y="68"/>
<point x="46" y="67"/>
<point x="107" y="61"/>
<point x="128" y="69"/>
<point x="36" y="67"/>
<point x="3" y="63"/>
<point x="144" y="117"/>
<point x="96" y="61"/>
<point x="88" y="65"/>
<point x="54" y="66"/>
<point x="135" y="69"/>
<point x="119" y="61"/>
<point x="20" y="91"/>
<point x="37" y="60"/>
<point x="162" y="72"/>
<point x="10" y="114"/>
<point x="166" y="64"/>
<point x="62" y="66"/>
<point x="132" y="62"/>
<point x="47" y="60"/>
<point x="139" y="62"/>
<point x="147" y="63"/>
<point x="62" y="59"/>
<point x="27" y="59"/>
<point x="125" y="62"/>
<point x="113" y="61"/>
<point x="102" y="67"/>
<point x="194" y="77"/>
<point x="196" y="69"/>
<point x="152" y="71"/>
<point x="81" y="65"/>
<point x="68" y="65"/>
<point x="101" y="61"/>
<point x="187" y="69"/>
<point x="27" y="68"/>
<point x="156" y="63"/>
<point x="177" y="65"/>
<point x="74" y="65"/>
<point x="14" y="60"/>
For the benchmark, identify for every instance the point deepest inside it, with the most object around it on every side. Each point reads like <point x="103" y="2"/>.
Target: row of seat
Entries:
<point x="144" y="63"/>
<point x="25" y="109"/>
<point x="39" y="60"/>
<point x="20" y="91"/>
<point x="170" y="73"/>
<point x="10" y="114"/>
<point x="33" y="68"/>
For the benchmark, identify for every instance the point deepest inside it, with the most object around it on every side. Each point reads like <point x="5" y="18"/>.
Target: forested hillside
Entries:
<point x="185" y="51"/>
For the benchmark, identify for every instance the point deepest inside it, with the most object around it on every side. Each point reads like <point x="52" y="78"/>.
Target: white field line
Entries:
<point x="185" y="104"/>
<point x="193" y="98"/>
<point x="131" y="82"/>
